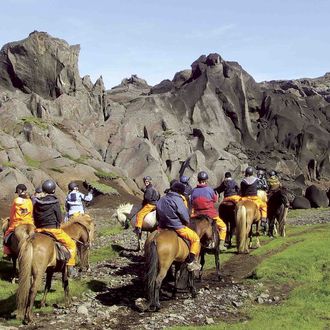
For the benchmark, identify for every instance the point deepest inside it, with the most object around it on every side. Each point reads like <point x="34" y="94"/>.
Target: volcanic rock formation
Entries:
<point x="214" y="117"/>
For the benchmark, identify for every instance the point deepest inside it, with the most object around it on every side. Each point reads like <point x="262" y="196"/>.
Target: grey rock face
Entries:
<point x="214" y="117"/>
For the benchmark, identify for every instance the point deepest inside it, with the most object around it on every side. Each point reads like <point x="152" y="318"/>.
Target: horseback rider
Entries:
<point x="37" y="193"/>
<point x="249" y="191"/>
<point x="48" y="218"/>
<point x="150" y="197"/>
<point x="203" y="199"/>
<point x="172" y="213"/>
<point x="74" y="200"/>
<point x="273" y="182"/>
<point x="21" y="213"/>
<point x="188" y="188"/>
<point x="262" y="182"/>
<point x="229" y="188"/>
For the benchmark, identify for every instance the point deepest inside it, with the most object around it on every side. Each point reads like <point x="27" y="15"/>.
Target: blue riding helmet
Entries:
<point x="184" y="179"/>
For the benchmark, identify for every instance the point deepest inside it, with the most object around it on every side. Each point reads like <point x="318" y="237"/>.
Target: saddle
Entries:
<point x="62" y="253"/>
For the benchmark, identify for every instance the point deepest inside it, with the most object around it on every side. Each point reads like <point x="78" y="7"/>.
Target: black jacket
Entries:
<point x="249" y="186"/>
<point x="229" y="187"/>
<point x="151" y="195"/>
<point x="47" y="212"/>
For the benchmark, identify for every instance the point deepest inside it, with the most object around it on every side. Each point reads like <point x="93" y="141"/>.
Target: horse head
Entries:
<point x="121" y="214"/>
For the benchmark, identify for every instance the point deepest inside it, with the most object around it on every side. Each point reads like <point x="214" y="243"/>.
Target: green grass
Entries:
<point x="9" y="164"/>
<point x="300" y="261"/>
<point x="32" y="162"/>
<point x="103" y="188"/>
<point x="106" y="175"/>
<point x="35" y="121"/>
<point x="110" y="231"/>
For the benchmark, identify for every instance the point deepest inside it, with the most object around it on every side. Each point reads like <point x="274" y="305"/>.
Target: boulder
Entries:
<point x="316" y="196"/>
<point x="301" y="202"/>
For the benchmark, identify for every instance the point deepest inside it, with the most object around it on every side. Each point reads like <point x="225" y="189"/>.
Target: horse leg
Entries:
<point x="36" y="278"/>
<point x="202" y="261"/>
<point x="191" y="284"/>
<point x="272" y="226"/>
<point x="176" y="279"/>
<point x="139" y="236"/>
<point x="65" y="283"/>
<point x="217" y="261"/>
<point x="47" y="287"/>
<point x="15" y="271"/>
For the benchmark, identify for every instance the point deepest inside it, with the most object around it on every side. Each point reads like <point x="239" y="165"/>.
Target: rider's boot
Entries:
<point x="222" y="247"/>
<point x="137" y="230"/>
<point x="192" y="263"/>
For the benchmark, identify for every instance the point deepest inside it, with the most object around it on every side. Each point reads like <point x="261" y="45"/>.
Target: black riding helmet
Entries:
<point x="202" y="176"/>
<point x="48" y="187"/>
<point x="72" y="185"/>
<point x="227" y="175"/>
<point x="147" y="178"/>
<point x="20" y="188"/>
<point x="178" y="187"/>
<point x="249" y="171"/>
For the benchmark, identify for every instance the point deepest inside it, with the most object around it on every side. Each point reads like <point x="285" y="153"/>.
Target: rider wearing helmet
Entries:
<point x="21" y="213"/>
<point x="74" y="200"/>
<point x="273" y="182"/>
<point x="262" y="182"/>
<point x="249" y="191"/>
<point x="188" y="188"/>
<point x="48" y="218"/>
<point x="203" y="199"/>
<point x="229" y="188"/>
<point x="150" y="197"/>
<point x="173" y="213"/>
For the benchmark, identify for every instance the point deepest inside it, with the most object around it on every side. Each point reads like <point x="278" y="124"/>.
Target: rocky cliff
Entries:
<point x="214" y="117"/>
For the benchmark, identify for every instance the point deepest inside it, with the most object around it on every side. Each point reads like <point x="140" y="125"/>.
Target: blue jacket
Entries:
<point x="171" y="211"/>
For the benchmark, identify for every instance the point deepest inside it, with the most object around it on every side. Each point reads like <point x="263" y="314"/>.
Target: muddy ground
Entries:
<point x="116" y="287"/>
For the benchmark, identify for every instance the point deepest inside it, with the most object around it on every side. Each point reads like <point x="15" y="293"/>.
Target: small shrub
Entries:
<point x="35" y="121"/>
<point x="32" y="162"/>
<point x="103" y="188"/>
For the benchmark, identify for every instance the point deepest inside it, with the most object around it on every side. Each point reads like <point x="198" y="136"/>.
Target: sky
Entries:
<point x="154" y="39"/>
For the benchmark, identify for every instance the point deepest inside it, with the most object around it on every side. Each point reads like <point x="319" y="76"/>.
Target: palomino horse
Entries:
<point x="21" y="233"/>
<point x="162" y="249"/>
<point x="247" y="214"/>
<point x="37" y="256"/>
<point x="277" y="206"/>
<point x="126" y="215"/>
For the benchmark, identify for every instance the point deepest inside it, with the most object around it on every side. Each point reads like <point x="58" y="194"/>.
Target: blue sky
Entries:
<point x="155" y="39"/>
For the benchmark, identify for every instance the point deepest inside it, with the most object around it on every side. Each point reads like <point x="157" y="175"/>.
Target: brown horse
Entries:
<point x="38" y="255"/>
<point x="247" y="214"/>
<point x="227" y="214"/>
<point x="20" y="234"/>
<point x="162" y="249"/>
<point x="278" y="205"/>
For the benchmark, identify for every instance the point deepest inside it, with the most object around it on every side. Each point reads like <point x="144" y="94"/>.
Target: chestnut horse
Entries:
<point x="163" y="248"/>
<point x="21" y="233"/>
<point x="38" y="255"/>
<point x="247" y="214"/>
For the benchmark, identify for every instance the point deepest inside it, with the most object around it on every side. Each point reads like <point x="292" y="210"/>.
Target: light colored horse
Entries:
<point x="126" y="215"/>
<point x="247" y="214"/>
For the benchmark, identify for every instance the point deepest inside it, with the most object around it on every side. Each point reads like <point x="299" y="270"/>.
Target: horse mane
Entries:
<point x="199" y="218"/>
<point x="124" y="208"/>
<point x="86" y="221"/>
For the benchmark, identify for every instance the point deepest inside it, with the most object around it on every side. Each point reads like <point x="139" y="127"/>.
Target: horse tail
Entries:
<point x="282" y="220"/>
<point x="241" y="224"/>
<point x="25" y="258"/>
<point x="152" y="271"/>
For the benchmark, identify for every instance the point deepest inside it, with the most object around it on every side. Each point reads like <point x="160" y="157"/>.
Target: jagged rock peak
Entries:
<point x="136" y="81"/>
<point x="40" y="64"/>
